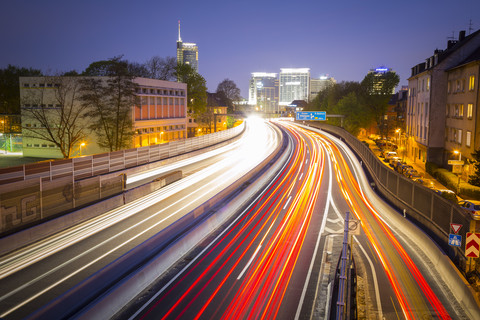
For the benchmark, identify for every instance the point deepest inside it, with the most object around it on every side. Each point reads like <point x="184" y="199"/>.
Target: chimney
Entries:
<point x="461" y="35"/>
<point x="451" y="43"/>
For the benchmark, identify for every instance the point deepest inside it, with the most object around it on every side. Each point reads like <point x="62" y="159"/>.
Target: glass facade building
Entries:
<point x="187" y="53"/>
<point x="294" y="84"/>
<point x="263" y="92"/>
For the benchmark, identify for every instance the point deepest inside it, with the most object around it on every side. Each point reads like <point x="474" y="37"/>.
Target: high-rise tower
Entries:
<point x="187" y="53"/>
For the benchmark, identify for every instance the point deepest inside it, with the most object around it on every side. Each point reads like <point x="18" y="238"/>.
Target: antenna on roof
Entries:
<point x="179" y="38"/>
<point x="470" y="27"/>
<point x="452" y="37"/>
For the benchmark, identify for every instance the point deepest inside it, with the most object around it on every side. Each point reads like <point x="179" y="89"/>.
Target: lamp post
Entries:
<point x="461" y="167"/>
<point x="81" y="145"/>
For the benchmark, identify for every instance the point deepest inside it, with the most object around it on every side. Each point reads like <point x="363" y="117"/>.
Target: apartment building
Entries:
<point x="426" y="110"/>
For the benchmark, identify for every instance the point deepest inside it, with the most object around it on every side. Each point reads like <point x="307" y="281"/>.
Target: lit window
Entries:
<point x="460" y="111"/>
<point x="469" y="111"/>
<point x="459" y="136"/>
<point x="468" y="138"/>
<point x="428" y="84"/>
<point x="471" y="83"/>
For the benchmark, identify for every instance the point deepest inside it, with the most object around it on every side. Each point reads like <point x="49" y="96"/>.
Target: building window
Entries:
<point x="468" y="138"/>
<point x="460" y="111"/>
<point x="428" y="84"/>
<point x="459" y="136"/>
<point x="449" y="87"/>
<point x="469" y="111"/>
<point x="471" y="83"/>
<point x="26" y="85"/>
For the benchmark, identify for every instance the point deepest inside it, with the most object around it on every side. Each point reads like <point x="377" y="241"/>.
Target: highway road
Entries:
<point x="276" y="258"/>
<point x="35" y="275"/>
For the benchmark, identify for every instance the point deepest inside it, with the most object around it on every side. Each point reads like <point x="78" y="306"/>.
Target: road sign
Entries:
<point x="472" y="245"/>
<point x="455" y="240"/>
<point x="456" y="162"/>
<point x="311" y="115"/>
<point x="455" y="227"/>
<point x="354" y="227"/>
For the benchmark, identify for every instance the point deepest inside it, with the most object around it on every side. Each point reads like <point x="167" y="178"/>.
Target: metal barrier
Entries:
<point x="40" y="191"/>
<point x="89" y="166"/>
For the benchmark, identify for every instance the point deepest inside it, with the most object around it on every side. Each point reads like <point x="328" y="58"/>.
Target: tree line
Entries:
<point x="363" y="104"/>
<point x="104" y="102"/>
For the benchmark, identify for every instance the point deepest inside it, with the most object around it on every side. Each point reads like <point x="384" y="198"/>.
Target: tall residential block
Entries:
<point x="263" y="92"/>
<point x="294" y="84"/>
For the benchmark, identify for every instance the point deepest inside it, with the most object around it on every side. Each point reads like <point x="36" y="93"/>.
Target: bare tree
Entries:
<point x="53" y="113"/>
<point x="162" y="68"/>
<point x="108" y="104"/>
<point x="230" y="91"/>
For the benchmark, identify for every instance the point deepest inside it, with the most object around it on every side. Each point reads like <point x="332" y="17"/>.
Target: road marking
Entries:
<point x="288" y="201"/>
<point x="375" y="281"/>
<point x="393" y="303"/>
<point x="301" y="176"/>
<point x="249" y="263"/>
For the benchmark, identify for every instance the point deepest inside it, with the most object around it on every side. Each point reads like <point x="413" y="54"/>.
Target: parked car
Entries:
<point x="390" y="154"/>
<point x="424" y="182"/>
<point x="447" y="194"/>
<point x="404" y="168"/>
<point x="472" y="207"/>
<point x="410" y="173"/>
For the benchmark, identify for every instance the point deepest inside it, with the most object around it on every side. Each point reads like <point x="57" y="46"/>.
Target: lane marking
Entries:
<point x="288" y="201"/>
<point x="249" y="262"/>
<point x="393" y="303"/>
<point x="375" y="281"/>
<point x="301" y="176"/>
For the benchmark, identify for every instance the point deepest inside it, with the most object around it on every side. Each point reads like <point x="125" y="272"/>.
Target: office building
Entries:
<point x="187" y="52"/>
<point x="294" y="84"/>
<point x="158" y="117"/>
<point x="320" y="84"/>
<point x="263" y="92"/>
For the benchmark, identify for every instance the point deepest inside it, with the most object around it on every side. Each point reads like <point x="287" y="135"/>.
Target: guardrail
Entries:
<point x="42" y="191"/>
<point x="89" y="166"/>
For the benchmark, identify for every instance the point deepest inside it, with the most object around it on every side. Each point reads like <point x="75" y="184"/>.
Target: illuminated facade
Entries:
<point x="294" y="84"/>
<point x="159" y="117"/>
<point x="379" y="74"/>
<point x="320" y="84"/>
<point x="263" y="92"/>
<point x="187" y="53"/>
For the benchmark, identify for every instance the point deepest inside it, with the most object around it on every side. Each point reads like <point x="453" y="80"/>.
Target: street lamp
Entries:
<point x="81" y="145"/>
<point x="461" y="167"/>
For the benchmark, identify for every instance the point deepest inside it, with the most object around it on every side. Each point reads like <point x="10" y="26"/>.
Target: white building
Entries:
<point x="294" y="84"/>
<point x="263" y="92"/>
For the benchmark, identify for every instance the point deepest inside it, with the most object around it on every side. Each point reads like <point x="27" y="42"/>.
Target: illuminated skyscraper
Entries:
<point x="379" y="79"/>
<point x="320" y="84"/>
<point x="263" y="92"/>
<point x="294" y="85"/>
<point x="187" y="53"/>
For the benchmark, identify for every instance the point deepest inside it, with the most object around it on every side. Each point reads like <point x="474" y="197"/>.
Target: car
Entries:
<point x="404" y="168"/>
<point x="424" y="182"/>
<point x="410" y="173"/>
<point x="447" y="194"/>
<point x="472" y="207"/>
<point x="390" y="154"/>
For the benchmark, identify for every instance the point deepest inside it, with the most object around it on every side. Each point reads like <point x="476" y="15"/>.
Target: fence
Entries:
<point x="89" y="166"/>
<point x="429" y="210"/>
<point x="40" y="191"/>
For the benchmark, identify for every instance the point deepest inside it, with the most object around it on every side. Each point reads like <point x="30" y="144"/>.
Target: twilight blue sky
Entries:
<point x="342" y="38"/>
